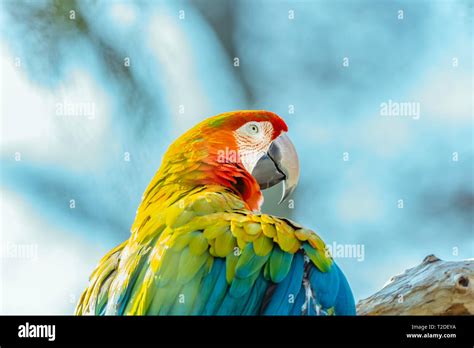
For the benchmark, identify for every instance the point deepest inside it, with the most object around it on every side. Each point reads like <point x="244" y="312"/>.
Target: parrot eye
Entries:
<point x="253" y="128"/>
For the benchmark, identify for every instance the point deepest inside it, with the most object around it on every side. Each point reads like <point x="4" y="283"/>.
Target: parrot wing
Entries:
<point x="206" y="255"/>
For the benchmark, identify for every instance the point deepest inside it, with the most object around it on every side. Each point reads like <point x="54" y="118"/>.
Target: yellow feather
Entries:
<point x="241" y="243"/>
<point x="198" y="245"/>
<point x="216" y="230"/>
<point x="267" y="219"/>
<point x="202" y="207"/>
<point x="237" y="230"/>
<point x="316" y="242"/>
<point x="303" y="234"/>
<point x="285" y="240"/>
<point x="230" y="263"/>
<point x="262" y="246"/>
<point x="269" y="230"/>
<point x="225" y="243"/>
<point x="176" y="216"/>
<point x="252" y="228"/>
<point x="180" y="241"/>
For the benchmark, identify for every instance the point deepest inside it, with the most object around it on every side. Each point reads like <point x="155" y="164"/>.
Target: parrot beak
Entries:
<point x="280" y="163"/>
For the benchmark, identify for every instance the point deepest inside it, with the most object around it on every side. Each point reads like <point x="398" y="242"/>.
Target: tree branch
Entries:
<point x="434" y="287"/>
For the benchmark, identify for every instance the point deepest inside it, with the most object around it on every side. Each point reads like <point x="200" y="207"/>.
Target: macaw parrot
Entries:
<point x="199" y="244"/>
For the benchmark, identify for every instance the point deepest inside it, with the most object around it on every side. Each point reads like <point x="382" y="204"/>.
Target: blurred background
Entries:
<point x="93" y="92"/>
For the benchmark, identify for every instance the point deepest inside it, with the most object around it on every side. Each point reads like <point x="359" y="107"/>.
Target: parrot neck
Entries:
<point x="170" y="184"/>
<point x="241" y="183"/>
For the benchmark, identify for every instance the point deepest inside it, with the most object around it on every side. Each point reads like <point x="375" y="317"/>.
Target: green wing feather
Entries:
<point x="204" y="254"/>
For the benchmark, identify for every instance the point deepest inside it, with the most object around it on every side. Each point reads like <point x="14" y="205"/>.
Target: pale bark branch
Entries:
<point x="434" y="287"/>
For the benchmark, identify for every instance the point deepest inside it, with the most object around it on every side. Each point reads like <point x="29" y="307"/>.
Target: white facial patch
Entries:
<point x="253" y="140"/>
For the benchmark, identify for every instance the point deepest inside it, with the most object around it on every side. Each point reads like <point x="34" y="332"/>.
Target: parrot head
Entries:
<point x="245" y="151"/>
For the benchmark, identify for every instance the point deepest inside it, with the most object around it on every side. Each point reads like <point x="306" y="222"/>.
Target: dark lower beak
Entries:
<point x="280" y="163"/>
